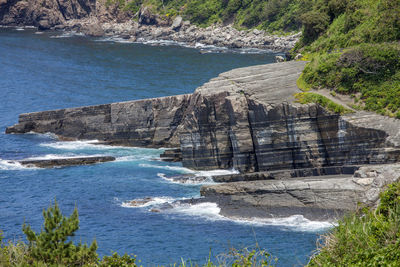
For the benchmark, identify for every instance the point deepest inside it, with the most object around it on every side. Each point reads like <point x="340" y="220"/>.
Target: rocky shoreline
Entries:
<point x="184" y="33"/>
<point x="95" y="18"/>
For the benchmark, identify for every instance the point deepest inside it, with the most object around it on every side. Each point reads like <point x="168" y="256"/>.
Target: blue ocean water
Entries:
<point x="41" y="71"/>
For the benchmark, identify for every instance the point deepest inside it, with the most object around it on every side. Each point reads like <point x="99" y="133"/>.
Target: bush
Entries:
<point x="365" y="238"/>
<point x="51" y="245"/>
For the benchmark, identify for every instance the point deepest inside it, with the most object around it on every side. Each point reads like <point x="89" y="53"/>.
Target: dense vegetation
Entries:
<point x="53" y="247"/>
<point x="272" y="15"/>
<point x="366" y="238"/>
<point x="368" y="72"/>
<point x="354" y="49"/>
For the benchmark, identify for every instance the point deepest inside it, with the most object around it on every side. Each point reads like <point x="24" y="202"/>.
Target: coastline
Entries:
<point x="186" y="33"/>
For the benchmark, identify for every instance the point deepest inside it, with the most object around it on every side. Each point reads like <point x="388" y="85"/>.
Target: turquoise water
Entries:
<point x="53" y="70"/>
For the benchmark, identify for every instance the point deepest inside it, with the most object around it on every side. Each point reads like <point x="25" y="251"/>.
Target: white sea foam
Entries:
<point x="211" y="211"/>
<point x="189" y="171"/>
<point x="10" y="165"/>
<point x="62" y="156"/>
<point x="39" y="32"/>
<point x="153" y="202"/>
<point x="294" y="222"/>
<point x="67" y="35"/>
<point x="187" y="181"/>
<point x="161" y="42"/>
<point x="167" y="167"/>
<point x="216" y="172"/>
<point x="206" y="210"/>
<point x="81" y="145"/>
<point x="114" y="39"/>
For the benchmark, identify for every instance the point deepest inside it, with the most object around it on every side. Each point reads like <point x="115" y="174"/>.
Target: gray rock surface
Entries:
<point x="245" y="119"/>
<point x="248" y="119"/>
<point x="62" y="162"/>
<point x="144" y="123"/>
<point x="325" y="197"/>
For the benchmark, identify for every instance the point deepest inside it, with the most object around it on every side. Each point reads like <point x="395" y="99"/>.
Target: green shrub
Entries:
<point x="52" y="244"/>
<point x="366" y="238"/>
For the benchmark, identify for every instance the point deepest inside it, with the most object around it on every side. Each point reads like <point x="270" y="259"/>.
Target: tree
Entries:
<point x="52" y="244"/>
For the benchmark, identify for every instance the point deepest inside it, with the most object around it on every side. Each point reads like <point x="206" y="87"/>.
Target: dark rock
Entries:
<point x="51" y="163"/>
<point x="146" y="17"/>
<point x="172" y="155"/>
<point x="44" y="25"/>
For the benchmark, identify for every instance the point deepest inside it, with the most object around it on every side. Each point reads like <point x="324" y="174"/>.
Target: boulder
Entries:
<point x="177" y="23"/>
<point x="94" y="30"/>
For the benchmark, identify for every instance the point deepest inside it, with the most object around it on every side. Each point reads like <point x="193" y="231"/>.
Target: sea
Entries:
<point x="53" y="70"/>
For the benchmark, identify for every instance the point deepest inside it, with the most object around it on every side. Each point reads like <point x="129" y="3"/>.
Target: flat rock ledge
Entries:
<point x="62" y="162"/>
<point x="316" y="198"/>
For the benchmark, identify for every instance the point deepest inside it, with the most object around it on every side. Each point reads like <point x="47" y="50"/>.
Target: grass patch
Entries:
<point x="365" y="238"/>
<point x="373" y="70"/>
<point x="307" y="98"/>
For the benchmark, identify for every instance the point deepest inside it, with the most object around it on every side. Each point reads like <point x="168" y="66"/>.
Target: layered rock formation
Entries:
<point x="244" y="119"/>
<point x="144" y="123"/>
<point x="247" y="119"/>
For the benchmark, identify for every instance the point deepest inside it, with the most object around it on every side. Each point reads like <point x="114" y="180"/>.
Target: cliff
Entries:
<point x="245" y="119"/>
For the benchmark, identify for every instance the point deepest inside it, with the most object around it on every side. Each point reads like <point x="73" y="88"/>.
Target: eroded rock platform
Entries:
<point x="246" y="119"/>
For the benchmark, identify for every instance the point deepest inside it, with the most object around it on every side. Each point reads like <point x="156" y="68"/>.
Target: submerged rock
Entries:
<point x="140" y="202"/>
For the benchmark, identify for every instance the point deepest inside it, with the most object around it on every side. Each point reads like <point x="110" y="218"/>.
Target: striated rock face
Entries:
<point x="144" y="123"/>
<point x="244" y="119"/>
<point x="247" y="119"/>
<point x="315" y="197"/>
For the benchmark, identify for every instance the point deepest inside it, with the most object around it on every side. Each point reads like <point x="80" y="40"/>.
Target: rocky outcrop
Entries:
<point x="319" y="198"/>
<point x="62" y="162"/>
<point x="144" y="123"/>
<point x="244" y="119"/>
<point x="43" y="13"/>
<point x="248" y="119"/>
